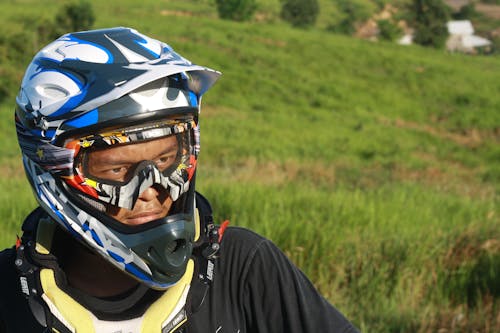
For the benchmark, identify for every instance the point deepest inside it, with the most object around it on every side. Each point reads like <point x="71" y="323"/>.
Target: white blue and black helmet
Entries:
<point x="104" y="87"/>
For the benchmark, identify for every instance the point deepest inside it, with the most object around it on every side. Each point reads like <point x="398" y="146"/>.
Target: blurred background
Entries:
<point x="360" y="136"/>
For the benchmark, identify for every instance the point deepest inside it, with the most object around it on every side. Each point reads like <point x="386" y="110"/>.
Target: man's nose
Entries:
<point x="151" y="193"/>
<point x="155" y="192"/>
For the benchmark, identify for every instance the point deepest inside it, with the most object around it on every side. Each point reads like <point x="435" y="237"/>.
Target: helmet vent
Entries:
<point x="51" y="91"/>
<point x="172" y="247"/>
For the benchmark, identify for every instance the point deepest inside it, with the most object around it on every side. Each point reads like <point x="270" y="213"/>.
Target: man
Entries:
<point x="107" y="122"/>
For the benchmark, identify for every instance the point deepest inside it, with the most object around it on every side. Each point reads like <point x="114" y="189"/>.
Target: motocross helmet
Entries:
<point x="98" y="89"/>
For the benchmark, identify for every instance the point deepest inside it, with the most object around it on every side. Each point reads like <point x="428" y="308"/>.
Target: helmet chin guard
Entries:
<point x="168" y="248"/>
<point x="101" y="88"/>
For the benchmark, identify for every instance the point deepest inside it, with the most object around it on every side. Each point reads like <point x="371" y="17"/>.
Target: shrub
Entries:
<point x="73" y="17"/>
<point x="465" y="12"/>
<point x="353" y="12"/>
<point x="236" y="10"/>
<point x="429" y="21"/>
<point x="300" y="13"/>
<point x="8" y="82"/>
<point x="388" y="30"/>
<point x="14" y="52"/>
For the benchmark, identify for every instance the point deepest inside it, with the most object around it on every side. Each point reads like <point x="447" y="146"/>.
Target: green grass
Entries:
<point x="375" y="167"/>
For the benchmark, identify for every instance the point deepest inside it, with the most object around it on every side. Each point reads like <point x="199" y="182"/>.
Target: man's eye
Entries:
<point x="165" y="161"/>
<point x="117" y="173"/>
<point x="118" y="170"/>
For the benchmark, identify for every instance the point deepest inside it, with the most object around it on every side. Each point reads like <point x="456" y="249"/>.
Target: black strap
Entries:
<point x="208" y="244"/>
<point x="30" y="287"/>
<point x="28" y="271"/>
<point x="205" y="253"/>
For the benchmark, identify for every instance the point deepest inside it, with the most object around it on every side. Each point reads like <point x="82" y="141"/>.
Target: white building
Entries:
<point x="462" y="39"/>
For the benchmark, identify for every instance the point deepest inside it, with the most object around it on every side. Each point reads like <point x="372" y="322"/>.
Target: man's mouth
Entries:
<point x="144" y="217"/>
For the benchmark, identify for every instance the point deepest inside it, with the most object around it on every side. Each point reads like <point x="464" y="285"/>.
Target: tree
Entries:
<point x="466" y="12"/>
<point x="429" y="21"/>
<point x="73" y="17"/>
<point x="236" y="10"/>
<point x="352" y="13"/>
<point x="300" y="13"/>
<point x="388" y="30"/>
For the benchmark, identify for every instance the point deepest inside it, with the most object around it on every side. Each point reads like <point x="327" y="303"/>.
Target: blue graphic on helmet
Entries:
<point x="80" y="43"/>
<point x="87" y="119"/>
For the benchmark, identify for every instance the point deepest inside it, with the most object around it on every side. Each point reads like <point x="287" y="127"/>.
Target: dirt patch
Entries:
<point x="471" y="138"/>
<point x="275" y="173"/>
<point x="271" y="42"/>
<point x="264" y="17"/>
<point x="449" y="176"/>
<point x="176" y="13"/>
<point x="278" y="173"/>
<point x="489" y="10"/>
<point x="12" y="170"/>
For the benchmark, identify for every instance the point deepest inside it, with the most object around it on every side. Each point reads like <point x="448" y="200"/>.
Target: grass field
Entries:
<point x="375" y="167"/>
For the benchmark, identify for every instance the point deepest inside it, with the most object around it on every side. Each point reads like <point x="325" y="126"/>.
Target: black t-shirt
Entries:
<point x="255" y="289"/>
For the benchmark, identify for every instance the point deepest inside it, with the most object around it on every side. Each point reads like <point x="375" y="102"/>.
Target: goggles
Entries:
<point x="116" y="166"/>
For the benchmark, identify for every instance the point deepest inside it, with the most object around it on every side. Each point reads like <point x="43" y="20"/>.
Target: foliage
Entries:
<point x="388" y="30"/>
<point x="466" y="12"/>
<point x="429" y="19"/>
<point x="353" y="12"/>
<point x="495" y="47"/>
<point x="76" y="16"/>
<point x="380" y="3"/>
<point x="236" y="10"/>
<point x="12" y="51"/>
<point x="300" y="13"/>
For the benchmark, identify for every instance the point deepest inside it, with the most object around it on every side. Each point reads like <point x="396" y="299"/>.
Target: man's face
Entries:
<point x="117" y="163"/>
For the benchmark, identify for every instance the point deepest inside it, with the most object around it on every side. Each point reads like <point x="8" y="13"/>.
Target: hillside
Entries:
<point x="375" y="167"/>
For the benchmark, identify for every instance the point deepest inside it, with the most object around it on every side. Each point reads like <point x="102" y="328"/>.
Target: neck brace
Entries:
<point x="165" y="315"/>
<point x="56" y="309"/>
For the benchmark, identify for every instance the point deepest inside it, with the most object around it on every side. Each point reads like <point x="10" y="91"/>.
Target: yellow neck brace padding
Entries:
<point x="165" y="315"/>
